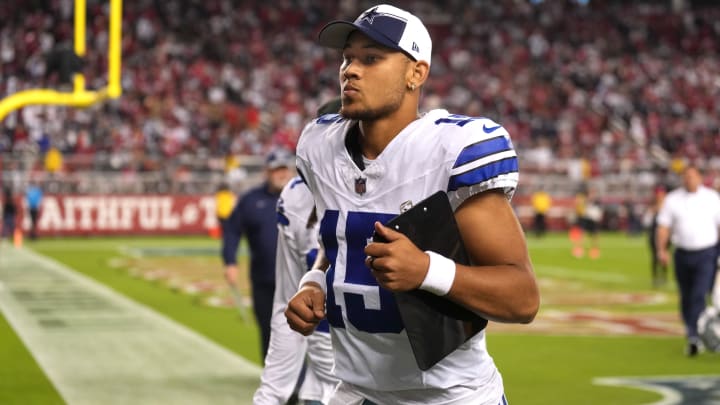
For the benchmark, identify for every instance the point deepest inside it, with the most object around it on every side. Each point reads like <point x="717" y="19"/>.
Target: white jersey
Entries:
<point x="296" y="251"/>
<point x="439" y="151"/>
<point x="693" y="218"/>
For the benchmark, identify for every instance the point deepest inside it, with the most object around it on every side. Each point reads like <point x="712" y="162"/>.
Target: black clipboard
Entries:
<point x="435" y="325"/>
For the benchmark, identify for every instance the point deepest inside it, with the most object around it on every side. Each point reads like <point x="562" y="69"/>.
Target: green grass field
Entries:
<point x="553" y="361"/>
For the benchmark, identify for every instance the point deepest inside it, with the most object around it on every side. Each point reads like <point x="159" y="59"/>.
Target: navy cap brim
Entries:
<point x="335" y="34"/>
<point x="278" y="165"/>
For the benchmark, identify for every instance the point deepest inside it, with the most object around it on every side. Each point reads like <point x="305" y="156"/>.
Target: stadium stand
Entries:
<point x="609" y="92"/>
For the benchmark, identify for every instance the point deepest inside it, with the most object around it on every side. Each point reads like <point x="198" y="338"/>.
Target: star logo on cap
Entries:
<point x="370" y="16"/>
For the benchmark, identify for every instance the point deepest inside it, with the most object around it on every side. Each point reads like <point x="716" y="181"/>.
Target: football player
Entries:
<point x="362" y="165"/>
<point x="297" y="245"/>
<point x="296" y="251"/>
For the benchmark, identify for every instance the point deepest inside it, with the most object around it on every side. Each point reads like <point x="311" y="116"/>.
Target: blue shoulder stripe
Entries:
<point x="295" y="181"/>
<point x="329" y="119"/>
<point x="483" y="173"/>
<point x="282" y="219"/>
<point x="481" y="149"/>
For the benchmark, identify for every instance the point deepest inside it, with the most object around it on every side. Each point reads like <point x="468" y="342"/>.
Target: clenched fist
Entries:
<point x="306" y="309"/>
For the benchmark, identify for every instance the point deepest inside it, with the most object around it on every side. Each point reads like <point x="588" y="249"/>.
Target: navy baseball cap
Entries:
<point x="279" y="158"/>
<point x="388" y="25"/>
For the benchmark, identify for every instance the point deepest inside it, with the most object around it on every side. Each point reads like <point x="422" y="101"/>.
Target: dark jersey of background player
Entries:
<point x="254" y="216"/>
<point x="9" y="212"/>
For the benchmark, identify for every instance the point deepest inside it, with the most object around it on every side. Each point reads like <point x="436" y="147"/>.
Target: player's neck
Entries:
<point x="376" y="135"/>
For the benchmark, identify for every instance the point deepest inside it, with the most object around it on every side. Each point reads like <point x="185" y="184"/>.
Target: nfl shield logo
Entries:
<point x="360" y="185"/>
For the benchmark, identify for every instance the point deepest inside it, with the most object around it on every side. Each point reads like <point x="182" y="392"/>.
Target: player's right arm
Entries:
<point x="295" y="244"/>
<point x="307" y="307"/>
<point x="662" y="236"/>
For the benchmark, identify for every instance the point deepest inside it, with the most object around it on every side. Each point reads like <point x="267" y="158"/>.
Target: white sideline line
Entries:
<point x="692" y="389"/>
<point x="99" y="347"/>
<point x="669" y="396"/>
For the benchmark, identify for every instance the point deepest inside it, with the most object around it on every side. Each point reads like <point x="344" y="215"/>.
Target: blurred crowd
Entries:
<point x="617" y="84"/>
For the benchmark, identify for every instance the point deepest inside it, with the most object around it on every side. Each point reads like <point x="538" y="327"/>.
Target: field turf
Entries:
<point x="556" y="360"/>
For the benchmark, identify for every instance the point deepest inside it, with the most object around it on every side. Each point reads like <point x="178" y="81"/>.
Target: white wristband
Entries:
<point x="315" y="276"/>
<point x="440" y="275"/>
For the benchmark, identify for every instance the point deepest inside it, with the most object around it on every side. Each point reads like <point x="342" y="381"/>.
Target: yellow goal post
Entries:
<point x="79" y="96"/>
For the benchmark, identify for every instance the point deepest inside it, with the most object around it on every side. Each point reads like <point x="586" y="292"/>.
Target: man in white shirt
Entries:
<point x="690" y="216"/>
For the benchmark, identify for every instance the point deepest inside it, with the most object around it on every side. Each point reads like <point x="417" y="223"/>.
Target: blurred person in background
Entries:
<point x="589" y="214"/>
<point x="254" y="216"/>
<point x="9" y="213"/>
<point x="297" y="248"/>
<point x="633" y="218"/>
<point x="33" y="198"/>
<point x="53" y="160"/>
<point x="658" y="269"/>
<point x="690" y="217"/>
<point x="541" y="202"/>
<point x="224" y="204"/>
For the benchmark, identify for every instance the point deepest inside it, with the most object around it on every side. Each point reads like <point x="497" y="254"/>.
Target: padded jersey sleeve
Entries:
<point x="302" y="162"/>
<point x="286" y="352"/>
<point x="297" y="240"/>
<point x="313" y="146"/>
<point x="311" y="139"/>
<point x="483" y="158"/>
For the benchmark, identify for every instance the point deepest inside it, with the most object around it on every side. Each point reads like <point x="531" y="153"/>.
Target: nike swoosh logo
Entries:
<point x="490" y="129"/>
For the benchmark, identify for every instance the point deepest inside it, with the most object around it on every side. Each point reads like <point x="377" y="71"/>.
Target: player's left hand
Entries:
<point x="231" y="274"/>
<point x="397" y="265"/>
<point x="306" y="309"/>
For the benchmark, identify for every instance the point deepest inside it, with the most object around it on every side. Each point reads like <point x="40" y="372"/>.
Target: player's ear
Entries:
<point x="418" y="73"/>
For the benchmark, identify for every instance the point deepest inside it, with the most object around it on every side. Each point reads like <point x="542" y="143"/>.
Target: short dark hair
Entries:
<point x="692" y="166"/>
